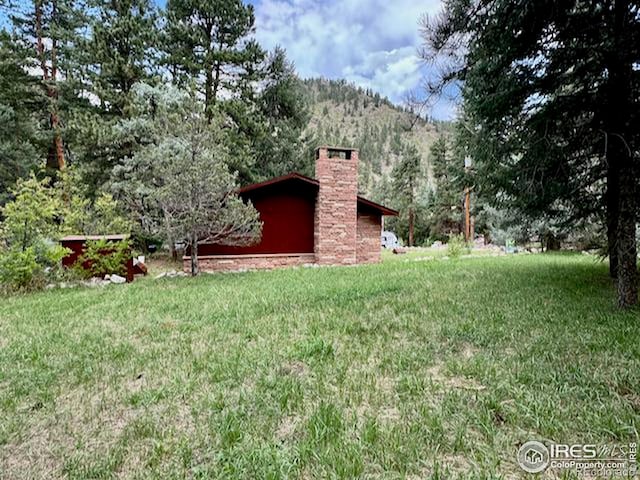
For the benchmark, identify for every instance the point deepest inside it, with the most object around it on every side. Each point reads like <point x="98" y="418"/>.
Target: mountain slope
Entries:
<point x="346" y="115"/>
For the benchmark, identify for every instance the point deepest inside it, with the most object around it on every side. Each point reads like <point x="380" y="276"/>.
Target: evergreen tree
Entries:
<point x="283" y="112"/>
<point x="155" y="111"/>
<point x="121" y="51"/>
<point x="21" y="100"/>
<point x="178" y="180"/>
<point x="445" y="213"/>
<point x="48" y="31"/>
<point x="210" y="42"/>
<point x="407" y="177"/>
<point x="552" y="94"/>
<point x="165" y="121"/>
<point x="198" y="196"/>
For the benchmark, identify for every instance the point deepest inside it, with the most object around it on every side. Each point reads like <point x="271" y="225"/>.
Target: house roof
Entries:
<point x="298" y="177"/>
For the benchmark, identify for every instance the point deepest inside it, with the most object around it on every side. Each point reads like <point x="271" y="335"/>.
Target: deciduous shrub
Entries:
<point x="31" y="268"/>
<point x="457" y="246"/>
<point x="19" y="269"/>
<point x="80" y="215"/>
<point x="28" y="255"/>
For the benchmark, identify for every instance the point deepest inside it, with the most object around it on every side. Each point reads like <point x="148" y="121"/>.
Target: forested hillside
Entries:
<point x="346" y="115"/>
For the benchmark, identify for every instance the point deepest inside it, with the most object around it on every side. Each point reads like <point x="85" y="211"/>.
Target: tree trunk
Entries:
<point x="59" y="147"/>
<point x="627" y="268"/>
<point x="194" y="257"/>
<point x="211" y="89"/>
<point x="467" y="214"/>
<point x="56" y="153"/>
<point x="612" y="198"/>
<point x="208" y="93"/>
<point x="411" y="226"/>
<point x="550" y="242"/>
<point x="620" y="155"/>
<point x="170" y="240"/>
<point x="55" y="118"/>
<point x="216" y="81"/>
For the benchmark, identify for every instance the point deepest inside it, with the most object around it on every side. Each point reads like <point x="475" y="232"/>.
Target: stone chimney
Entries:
<point x="336" y="206"/>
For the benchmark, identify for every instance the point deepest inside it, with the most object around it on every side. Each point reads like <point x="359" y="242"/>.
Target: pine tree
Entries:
<point x="407" y="176"/>
<point x="21" y="101"/>
<point x="444" y="201"/>
<point x="50" y="29"/>
<point x="283" y="113"/>
<point x="121" y="51"/>
<point x="178" y="180"/>
<point x="551" y="92"/>
<point x="210" y="43"/>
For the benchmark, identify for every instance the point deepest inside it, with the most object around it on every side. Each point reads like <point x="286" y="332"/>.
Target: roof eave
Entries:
<point x="312" y="181"/>
<point x="281" y="178"/>
<point x="381" y="208"/>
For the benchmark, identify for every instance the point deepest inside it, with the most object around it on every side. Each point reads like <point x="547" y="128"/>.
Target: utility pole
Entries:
<point x="467" y="202"/>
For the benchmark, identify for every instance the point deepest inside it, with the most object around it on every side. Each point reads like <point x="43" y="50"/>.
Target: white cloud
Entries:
<point x="372" y="43"/>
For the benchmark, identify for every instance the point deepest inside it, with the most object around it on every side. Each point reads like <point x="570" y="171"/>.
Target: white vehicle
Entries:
<point x="389" y="240"/>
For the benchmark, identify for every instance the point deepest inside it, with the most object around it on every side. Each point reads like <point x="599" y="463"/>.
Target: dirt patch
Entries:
<point x="182" y="420"/>
<point x="385" y="414"/>
<point x="287" y="427"/>
<point x="385" y="384"/>
<point x="456" y="463"/>
<point x="437" y="375"/>
<point x="389" y="414"/>
<point x="295" y="368"/>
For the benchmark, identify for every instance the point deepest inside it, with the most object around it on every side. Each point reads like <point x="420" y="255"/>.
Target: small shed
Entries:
<point x="77" y="244"/>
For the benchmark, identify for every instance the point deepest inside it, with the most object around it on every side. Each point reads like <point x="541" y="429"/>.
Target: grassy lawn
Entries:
<point x="409" y="369"/>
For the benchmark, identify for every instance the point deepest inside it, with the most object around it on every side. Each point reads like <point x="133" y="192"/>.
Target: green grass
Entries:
<point x="409" y="369"/>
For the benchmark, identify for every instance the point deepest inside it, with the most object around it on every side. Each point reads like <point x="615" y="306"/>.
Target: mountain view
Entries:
<point x="346" y="115"/>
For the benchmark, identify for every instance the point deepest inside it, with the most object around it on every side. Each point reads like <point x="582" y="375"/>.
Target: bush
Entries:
<point x="19" y="270"/>
<point x="81" y="215"/>
<point x="30" y="217"/>
<point x="103" y="257"/>
<point x="457" y="246"/>
<point x="31" y="268"/>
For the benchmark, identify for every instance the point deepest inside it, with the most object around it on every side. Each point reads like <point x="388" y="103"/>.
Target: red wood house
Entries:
<point x="307" y="220"/>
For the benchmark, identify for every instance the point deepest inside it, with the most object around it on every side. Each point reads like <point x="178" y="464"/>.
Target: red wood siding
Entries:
<point x="286" y="210"/>
<point x="76" y="247"/>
